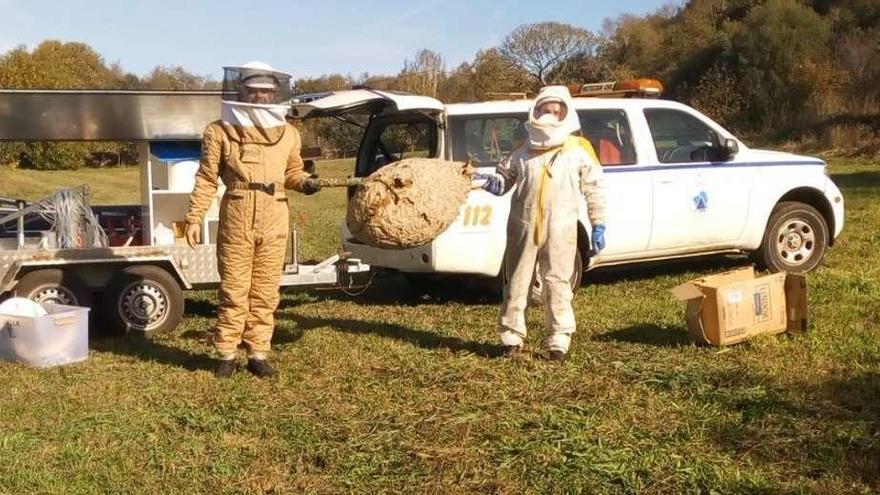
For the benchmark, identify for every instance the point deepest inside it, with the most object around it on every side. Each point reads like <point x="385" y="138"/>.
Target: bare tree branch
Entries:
<point x="546" y="47"/>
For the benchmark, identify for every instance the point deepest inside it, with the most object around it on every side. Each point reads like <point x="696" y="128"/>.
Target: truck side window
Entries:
<point x="388" y="139"/>
<point x="680" y="137"/>
<point x="485" y="140"/>
<point x="608" y="131"/>
<point x="404" y="140"/>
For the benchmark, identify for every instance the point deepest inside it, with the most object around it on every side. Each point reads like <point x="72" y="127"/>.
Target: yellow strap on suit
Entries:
<point x="542" y="198"/>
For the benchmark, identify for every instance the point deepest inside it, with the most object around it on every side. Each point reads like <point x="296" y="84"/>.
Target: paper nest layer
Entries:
<point x="408" y="203"/>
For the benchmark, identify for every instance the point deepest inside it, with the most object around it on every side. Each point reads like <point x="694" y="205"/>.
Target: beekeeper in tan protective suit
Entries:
<point x="255" y="151"/>
<point x="551" y="172"/>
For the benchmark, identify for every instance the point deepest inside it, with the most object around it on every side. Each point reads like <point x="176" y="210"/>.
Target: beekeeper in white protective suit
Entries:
<point x="551" y="172"/>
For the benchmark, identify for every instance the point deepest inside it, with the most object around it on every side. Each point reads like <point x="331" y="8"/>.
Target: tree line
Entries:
<point x="803" y="71"/>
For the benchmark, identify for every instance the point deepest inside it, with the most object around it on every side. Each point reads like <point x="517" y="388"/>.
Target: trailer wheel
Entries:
<point x="143" y="298"/>
<point x="54" y="285"/>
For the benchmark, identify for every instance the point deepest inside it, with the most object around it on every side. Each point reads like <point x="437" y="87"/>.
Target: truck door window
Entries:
<point x="680" y="137"/>
<point x="404" y="140"/>
<point x="485" y="140"/>
<point x="608" y="131"/>
<point x="389" y="139"/>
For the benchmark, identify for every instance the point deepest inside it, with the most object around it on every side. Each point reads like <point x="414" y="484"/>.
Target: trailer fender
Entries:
<point x="22" y="267"/>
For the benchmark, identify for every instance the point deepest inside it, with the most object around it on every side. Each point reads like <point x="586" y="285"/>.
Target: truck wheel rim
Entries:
<point x="143" y="306"/>
<point x="795" y="242"/>
<point x="55" y="294"/>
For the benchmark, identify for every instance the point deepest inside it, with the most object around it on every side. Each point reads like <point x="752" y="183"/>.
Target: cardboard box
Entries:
<point x="734" y="306"/>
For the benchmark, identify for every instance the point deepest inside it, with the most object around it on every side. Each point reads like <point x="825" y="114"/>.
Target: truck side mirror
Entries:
<point x="729" y="148"/>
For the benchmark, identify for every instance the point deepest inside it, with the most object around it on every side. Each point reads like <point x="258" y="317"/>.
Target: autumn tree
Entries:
<point x="175" y="77"/>
<point x="423" y="74"/>
<point x="545" y="47"/>
<point x="493" y="72"/>
<point x="54" y="65"/>
<point x="772" y="52"/>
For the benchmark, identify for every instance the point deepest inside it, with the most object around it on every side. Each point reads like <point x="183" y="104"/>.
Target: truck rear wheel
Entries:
<point x="145" y="299"/>
<point x="795" y="240"/>
<point x="54" y="285"/>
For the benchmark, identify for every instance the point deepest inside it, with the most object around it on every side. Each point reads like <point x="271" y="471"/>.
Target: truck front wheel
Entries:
<point x="145" y="299"/>
<point x="795" y="240"/>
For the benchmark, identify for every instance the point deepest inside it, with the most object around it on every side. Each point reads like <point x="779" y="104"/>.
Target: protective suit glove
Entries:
<point x="311" y="186"/>
<point x="597" y="239"/>
<point x="493" y="184"/>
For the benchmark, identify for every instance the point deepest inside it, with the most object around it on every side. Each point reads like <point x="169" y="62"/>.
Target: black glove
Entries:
<point x="311" y="186"/>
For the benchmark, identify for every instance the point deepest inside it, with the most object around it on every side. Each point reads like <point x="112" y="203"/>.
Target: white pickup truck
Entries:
<point x="677" y="183"/>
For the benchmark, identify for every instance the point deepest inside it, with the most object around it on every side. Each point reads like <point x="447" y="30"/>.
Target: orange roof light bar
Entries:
<point x="644" y="88"/>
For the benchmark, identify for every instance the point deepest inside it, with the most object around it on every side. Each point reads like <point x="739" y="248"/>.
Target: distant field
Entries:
<point x="392" y="392"/>
<point x="319" y="214"/>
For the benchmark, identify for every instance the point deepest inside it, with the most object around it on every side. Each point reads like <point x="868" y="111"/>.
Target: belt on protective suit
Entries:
<point x="256" y="186"/>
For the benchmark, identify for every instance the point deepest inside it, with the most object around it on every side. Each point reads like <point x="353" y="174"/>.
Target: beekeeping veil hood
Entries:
<point x="547" y="131"/>
<point x="256" y="100"/>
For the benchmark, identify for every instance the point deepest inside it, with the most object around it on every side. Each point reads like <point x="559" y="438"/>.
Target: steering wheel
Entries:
<point x="385" y="153"/>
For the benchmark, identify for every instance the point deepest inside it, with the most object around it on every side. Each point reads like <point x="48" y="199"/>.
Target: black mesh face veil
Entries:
<point x="241" y="82"/>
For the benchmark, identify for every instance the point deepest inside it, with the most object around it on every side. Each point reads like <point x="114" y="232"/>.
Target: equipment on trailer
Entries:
<point x="135" y="267"/>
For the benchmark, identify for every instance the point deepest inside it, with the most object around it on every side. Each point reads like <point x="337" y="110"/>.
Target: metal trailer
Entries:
<point x="141" y="287"/>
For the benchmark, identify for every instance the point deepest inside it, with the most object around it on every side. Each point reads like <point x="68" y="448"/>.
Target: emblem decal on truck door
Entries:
<point x="701" y="201"/>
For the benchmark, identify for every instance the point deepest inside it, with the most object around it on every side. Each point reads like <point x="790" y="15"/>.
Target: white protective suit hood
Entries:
<point x="547" y="132"/>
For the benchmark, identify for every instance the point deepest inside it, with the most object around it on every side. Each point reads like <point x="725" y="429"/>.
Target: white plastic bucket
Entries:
<point x="61" y="336"/>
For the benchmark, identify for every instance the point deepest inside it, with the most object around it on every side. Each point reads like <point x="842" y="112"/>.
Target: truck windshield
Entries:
<point x="486" y="140"/>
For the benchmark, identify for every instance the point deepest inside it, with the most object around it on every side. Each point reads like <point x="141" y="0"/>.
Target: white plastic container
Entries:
<point x="182" y="175"/>
<point x="162" y="235"/>
<point x="61" y="336"/>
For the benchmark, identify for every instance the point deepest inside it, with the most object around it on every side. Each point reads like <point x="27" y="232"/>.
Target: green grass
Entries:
<point x="390" y="392"/>
<point x="118" y="185"/>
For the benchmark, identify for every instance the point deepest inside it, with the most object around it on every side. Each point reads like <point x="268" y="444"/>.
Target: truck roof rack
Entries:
<point x="507" y="96"/>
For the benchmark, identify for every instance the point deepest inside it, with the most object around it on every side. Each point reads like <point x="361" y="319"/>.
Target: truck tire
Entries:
<point x="795" y="240"/>
<point x="54" y="285"/>
<point x="144" y="299"/>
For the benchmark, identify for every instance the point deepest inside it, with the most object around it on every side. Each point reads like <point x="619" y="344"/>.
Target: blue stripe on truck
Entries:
<point x="612" y="169"/>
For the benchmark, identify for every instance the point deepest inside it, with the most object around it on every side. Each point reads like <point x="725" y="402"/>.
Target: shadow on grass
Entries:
<point x="419" y="338"/>
<point x="648" y="334"/>
<point x="641" y="271"/>
<point x="395" y="289"/>
<point x="824" y="430"/>
<point x="200" y="307"/>
<point x="153" y="349"/>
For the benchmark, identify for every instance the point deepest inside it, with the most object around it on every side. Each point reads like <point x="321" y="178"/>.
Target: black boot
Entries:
<point x="511" y="351"/>
<point x="558" y="356"/>
<point x="260" y="368"/>
<point x="226" y="368"/>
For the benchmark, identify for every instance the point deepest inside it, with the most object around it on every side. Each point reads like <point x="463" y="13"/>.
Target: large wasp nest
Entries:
<point x="408" y="203"/>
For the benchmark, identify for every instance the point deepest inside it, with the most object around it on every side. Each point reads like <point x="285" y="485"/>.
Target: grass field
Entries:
<point x="390" y="392"/>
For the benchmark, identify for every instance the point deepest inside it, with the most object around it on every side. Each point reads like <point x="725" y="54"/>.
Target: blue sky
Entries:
<point x="306" y="38"/>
